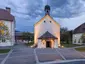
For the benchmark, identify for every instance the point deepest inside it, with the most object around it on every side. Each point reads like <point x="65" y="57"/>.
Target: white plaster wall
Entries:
<point x="42" y="27"/>
<point x="41" y="44"/>
<point x="13" y="31"/>
<point x="7" y="43"/>
<point x="76" y="37"/>
<point x="56" y="44"/>
<point x="10" y="26"/>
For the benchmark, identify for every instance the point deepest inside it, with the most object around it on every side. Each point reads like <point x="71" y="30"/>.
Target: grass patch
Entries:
<point x="69" y="45"/>
<point x="4" y="50"/>
<point x="81" y="49"/>
<point x="29" y="44"/>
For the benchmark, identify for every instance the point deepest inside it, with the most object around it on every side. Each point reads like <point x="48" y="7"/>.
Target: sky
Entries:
<point x="68" y="13"/>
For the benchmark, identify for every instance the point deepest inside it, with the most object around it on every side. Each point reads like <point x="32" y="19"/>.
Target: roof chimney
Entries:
<point x="8" y="9"/>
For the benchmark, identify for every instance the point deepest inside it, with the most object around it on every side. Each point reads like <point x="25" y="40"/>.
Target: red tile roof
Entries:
<point x="80" y="29"/>
<point x="5" y="15"/>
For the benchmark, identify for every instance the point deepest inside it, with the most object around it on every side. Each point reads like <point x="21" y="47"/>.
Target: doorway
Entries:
<point x="48" y="44"/>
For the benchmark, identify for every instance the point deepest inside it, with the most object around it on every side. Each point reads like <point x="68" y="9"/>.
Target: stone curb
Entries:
<point x="63" y="61"/>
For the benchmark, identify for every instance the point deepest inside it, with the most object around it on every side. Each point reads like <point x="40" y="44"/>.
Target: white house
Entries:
<point x="7" y="28"/>
<point x="47" y="31"/>
<point x="77" y="33"/>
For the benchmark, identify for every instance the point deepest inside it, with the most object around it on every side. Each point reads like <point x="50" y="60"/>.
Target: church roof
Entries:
<point x="47" y="35"/>
<point x="5" y="15"/>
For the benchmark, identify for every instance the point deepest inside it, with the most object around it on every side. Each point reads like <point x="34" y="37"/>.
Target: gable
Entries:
<point x="42" y="20"/>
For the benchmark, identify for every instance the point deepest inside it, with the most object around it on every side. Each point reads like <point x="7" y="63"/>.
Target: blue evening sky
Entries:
<point x="69" y="13"/>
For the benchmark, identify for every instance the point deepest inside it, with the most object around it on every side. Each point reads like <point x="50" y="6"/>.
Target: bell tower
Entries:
<point x="47" y="9"/>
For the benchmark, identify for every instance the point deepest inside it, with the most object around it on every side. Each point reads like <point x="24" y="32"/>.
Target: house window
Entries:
<point x="50" y="21"/>
<point x="3" y="40"/>
<point x="84" y="29"/>
<point x="75" y="41"/>
<point x="79" y="41"/>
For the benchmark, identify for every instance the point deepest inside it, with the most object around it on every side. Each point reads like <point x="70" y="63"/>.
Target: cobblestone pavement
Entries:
<point x="83" y="53"/>
<point x="70" y="53"/>
<point x="59" y="54"/>
<point x="22" y="54"/>
<point x="48" y="54"/>
<point x="78" y="62"/>
<point x="2" y="56"/>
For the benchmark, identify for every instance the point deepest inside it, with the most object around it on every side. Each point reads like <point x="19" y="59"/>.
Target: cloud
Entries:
<point x="71" y="23"/>
<point x="3" y="3"/>
<point x="59" y="8"/>
<point x="27" y="12"/>
<point x="23" y="24"/>
<point x="67" y="8"/>
<point x="26" y="8"/>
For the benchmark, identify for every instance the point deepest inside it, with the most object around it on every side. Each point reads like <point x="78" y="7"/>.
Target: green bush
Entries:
<point x="29" y="44"/>
<point x="4" y="50"/>
<point x="81" y="49"/>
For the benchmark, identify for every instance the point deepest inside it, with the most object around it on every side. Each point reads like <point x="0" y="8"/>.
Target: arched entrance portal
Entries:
<point x="48" y="44"/>
<point x="47" y="40"/>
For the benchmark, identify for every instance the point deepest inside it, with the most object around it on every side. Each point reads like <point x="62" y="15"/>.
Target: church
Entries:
<point x="7" y="27"/>
<point x="47" y="31"/>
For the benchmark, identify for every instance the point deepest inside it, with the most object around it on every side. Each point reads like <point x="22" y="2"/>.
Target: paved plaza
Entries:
<point x="2" y="56"/>
<point x="21" y="54"/>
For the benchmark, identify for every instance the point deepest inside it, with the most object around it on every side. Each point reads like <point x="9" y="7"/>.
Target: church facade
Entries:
<point x="47" y="31"/>
<point x="7" y="28"/>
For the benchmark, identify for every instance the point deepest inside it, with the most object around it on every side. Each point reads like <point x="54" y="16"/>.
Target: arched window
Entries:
<point x="50" y="21"/>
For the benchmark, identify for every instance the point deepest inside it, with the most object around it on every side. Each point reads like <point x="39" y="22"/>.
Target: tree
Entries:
<point x="63" y="30"/>
<point x="27" y="36"/>
<point x="66" y="36"/>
